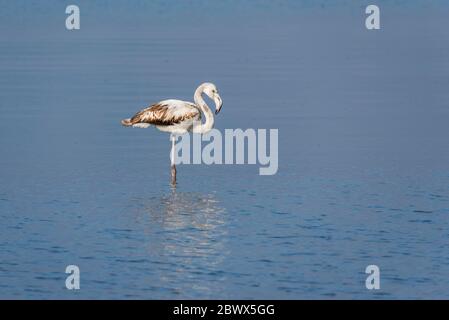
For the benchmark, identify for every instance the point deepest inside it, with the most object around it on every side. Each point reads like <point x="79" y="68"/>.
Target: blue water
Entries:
<point x="363" y="151"/>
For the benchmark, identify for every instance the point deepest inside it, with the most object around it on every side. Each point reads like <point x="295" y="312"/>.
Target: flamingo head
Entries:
<point x="211" y="91"/>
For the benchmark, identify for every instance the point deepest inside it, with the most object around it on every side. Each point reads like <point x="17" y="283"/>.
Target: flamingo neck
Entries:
<point x="209" y="123"/>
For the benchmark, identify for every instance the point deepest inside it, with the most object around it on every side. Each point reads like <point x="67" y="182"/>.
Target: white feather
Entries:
<point x="141" y="125"/>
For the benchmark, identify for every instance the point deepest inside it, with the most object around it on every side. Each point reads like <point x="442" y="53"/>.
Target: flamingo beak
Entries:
<point x="218" y="103"/>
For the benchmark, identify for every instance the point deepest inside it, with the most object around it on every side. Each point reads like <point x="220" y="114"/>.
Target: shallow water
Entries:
<point x="363" y="151"/>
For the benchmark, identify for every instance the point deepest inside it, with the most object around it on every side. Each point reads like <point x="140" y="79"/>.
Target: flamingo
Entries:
<point x="179" y="117"/>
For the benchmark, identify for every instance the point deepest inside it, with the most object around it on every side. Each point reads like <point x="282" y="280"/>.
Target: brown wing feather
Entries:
<point x="161" y="114"/>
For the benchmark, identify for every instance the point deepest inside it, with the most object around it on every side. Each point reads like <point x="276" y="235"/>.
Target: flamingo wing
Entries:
<point x="165" y="113"/>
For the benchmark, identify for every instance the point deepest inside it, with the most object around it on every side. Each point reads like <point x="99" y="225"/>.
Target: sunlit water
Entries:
<point x="363" y="152"/>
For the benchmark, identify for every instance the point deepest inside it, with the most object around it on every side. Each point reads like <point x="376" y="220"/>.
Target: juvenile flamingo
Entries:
<point x="179" y="117"/>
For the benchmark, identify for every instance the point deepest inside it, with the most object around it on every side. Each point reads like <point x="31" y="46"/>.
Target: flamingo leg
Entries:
<point x="172" y="159"/>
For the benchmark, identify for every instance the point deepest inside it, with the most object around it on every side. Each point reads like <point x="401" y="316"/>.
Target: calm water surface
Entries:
<point x="363" y="152"/>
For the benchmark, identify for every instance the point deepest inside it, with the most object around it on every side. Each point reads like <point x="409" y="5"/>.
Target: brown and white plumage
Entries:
<point x="168" y="115"/>
<point x="179" y="117"/>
